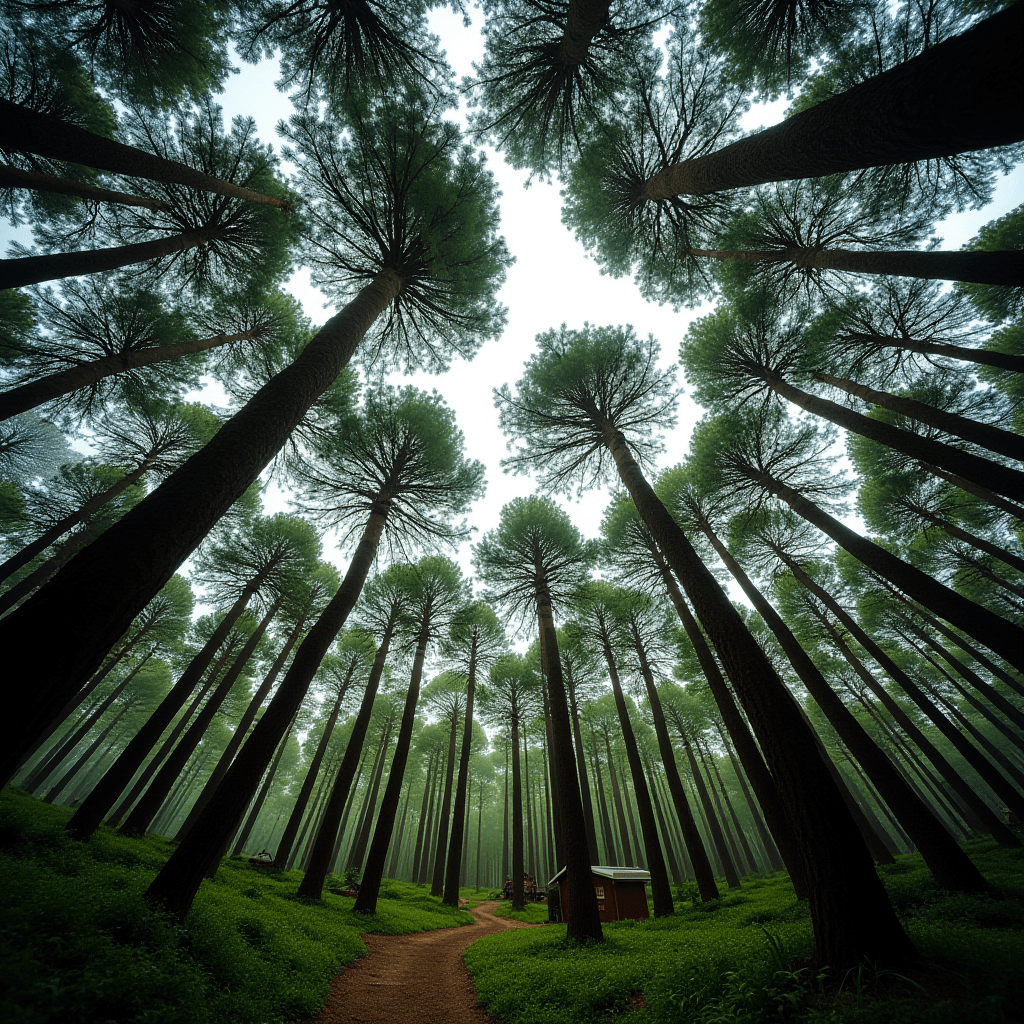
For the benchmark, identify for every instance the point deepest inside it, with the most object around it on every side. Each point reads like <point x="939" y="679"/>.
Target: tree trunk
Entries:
<point x="606" y="823"/>
<point x="995" y="439"/>
<point x="291" y="829"/>
<point x="1005" y="269"/>
<point x="703" y="874"/>
<point x="396" y="855"/>
<point x="505" y="871"/>
<point x="750" y="756"/>
<point x="28" y="131"/>
<point x="80" y="762"/>
<point x="254" y="812"/>
<point x="951" y="868"/>
<point x="661" y="888"/>
<point x="421" y="829"/>
<point x="358" y="851"/>
<point x="518" y="867"/>
<point x="581" y="768"/>
<point x="663" y="827"/>
<point x="45" y="389"/>
<point x="850" y="911"/>
<point x="625" y="846"/>
<point x="996" y="633"/>
<point x="479" y="832"/>
<point x="954" y="531"/>
<point x="241" y="730"/>
<point x="111" y="581"/>
<point x="584" y="922"/>
<point x="977" y="490"/>
<point x="459" y="818"/>
<point x="15" y="177"/>
<point x="744" y="865"/>
<point x="953" y="98"/>
<point x="178" y="881"/>
<point x="443" y="822"/>
<point x="583" y="21"/>
<point x="87" y="818"/>
<point x="1003" y="479"/>
<point x="369" y="889"/>
<point x="26" y="270"/>
<point x="320" y="856"/>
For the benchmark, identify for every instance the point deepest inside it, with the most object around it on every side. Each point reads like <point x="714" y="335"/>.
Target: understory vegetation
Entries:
<point x="80" y="944"/>
<point x="745" y="959"/>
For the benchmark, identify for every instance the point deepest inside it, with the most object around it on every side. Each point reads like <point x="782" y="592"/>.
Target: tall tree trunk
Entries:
<point x="505" y="872"/>
<point x="661" y="887"/>
<point x="15" y="177"/>
<point x="58" y="529"/>
<point x="139" y="820"/>
<point x="584" y="922"/>
<point x="320" y="856"/>
<point x="743" y="864"/>
<point x="993" y="475"/>
<point x="87" y="818"/>
<point x="314" y="812"/>
<point x="606" y="822"/>
<point x="952" y="98"/>
<point x="435" y="799"/>
<point x="396" y="854"/>
<point x="80" y="762"/>
<point x="479" y="833"/>
<point x="358" y="851"/>
<point x="443" y="823"/>
<point x="948" y="863"/>
<point x="627" y="849"/>
<point x="1000" y="360"/>
<point x="960" y="743"/>
<point x="529" y="818"/>
<point x="29" y="131"/>
<point x="700" y="864"/>
<point x="459" y="817"/>
<point x="518" y="901"/>
<point x="113" y="579"/>
<point x="996" y="633"/>
<point x="421" y="829"/>
<point x="26" y="270"/>
<point x="53" y="385"/>
<point x="666" y="835"/>
<point x="1005" y="269"/>
<point x="750" y="756"/>
<point x="995" y="439"/>
<point x="850" y="911"/>
<point x="291" y="829"/>
<point x="178" y="882"/>
<point x="985" y="493"/>
<point x="369" y="889"/>
<point x="241" y="730"/>
<point x="957" y="533"/>
<point x="581" y="768"/>
<point x="254" y="812"/>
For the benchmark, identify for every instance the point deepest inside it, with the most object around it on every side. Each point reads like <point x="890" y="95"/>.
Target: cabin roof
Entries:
<point x="614" y="872"/>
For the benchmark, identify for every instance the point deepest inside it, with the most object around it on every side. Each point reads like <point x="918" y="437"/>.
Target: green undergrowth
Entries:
<point x="533" y="913"/>
<point x="745" y="959"/>
<point x="80" y="944"/>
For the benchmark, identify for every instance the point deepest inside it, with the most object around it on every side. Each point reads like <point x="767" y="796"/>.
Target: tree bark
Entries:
<point x="45" y="389"/>
<point x="369" y="889"/>
<point x="850" y="911"/>
<point x="29" y="131"/>
<point x="1000" y="360"/>
<point x="581" y="768"/>
<point x="459" y="819"/>
<point x="111" y="583"/>
<point x="583" y="21"/>
<point x="950" y="866"/>
<point x="84" y="822"/>
<point x="518" y="866"/>
<point x="421" y="828"/>
<point x="624" y="840"/>
<point x="15" y="177"/>
<point x="1005" y="269"/>
<point x="443" y="822"/>
<point x="584" y="922"/>
<point x="953" y="98"/>
<point x="995" y="439"/>
<point x="985" y="493"/>
<point x="254" y="812"/>
<point x="26" y="270"/>
<point x="320" y="856"/>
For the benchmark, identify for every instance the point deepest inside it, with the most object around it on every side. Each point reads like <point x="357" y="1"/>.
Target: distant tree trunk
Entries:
<point x="995" y="439"/>
<point x="985" y="493"/>
<point x="396" y="854"/>
<point x="241" y="731"/>
<point x="504" y="825"/>
<point x="86" y="819"/>
<point x="15" y="177"/>
<point x="464" y="870"/>
<point x="459" y="817"/>
<point x="81" y="761"/>
<point x="666" y="835"/>
<point x="1005" y="269"/>
<point x="308" y="819"/>
<point x="111" y="581"/>
<point x="254" y="812"/>
<point x="479" y="832"/>
<point x="45" y="389"/>
<point x="362" y="836"/>
<point x="606" y="823"/>
<point x="443" y="822"/>
<point x="428" y="789"/>
<point x="29" y="131"/>
<point x="952" y="98"/>
<point x="369" y="888"/>
<point x="627" y="849"/>
<point x="144" y="811"/>
<point x="518" y="901"/>
<point x="284" y="848"/>
<point x="435" y="795"/>
<point x="1000" y="360"/>
<point x="581" y="768"/>
<point x="741" y="836"/>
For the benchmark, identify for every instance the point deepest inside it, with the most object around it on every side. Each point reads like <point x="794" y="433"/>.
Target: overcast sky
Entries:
<point x="551" y="282"/>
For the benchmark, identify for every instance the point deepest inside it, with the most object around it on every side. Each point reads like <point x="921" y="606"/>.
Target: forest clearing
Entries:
<point x="513" y="510"/>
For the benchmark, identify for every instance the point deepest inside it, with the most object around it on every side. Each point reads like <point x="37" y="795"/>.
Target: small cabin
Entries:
<point x="621" y="892"/>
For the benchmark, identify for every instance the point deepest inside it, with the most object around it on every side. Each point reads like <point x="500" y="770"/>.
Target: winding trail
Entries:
<point x="414" y="979"/>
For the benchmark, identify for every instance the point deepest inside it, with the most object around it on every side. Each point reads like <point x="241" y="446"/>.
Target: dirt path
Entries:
<point x="414" y="979"/>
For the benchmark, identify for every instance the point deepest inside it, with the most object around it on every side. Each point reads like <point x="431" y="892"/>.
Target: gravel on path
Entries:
<point x="414" y="979"/>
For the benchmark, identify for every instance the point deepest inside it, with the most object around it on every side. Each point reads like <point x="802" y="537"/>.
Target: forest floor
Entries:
<point x="414" y="979"/>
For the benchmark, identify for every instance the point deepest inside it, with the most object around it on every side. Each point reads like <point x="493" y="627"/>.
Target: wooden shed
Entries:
<point x="621" y="892"/>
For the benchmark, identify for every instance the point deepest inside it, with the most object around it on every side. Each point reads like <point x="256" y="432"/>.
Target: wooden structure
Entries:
<point x="621" y="892"/>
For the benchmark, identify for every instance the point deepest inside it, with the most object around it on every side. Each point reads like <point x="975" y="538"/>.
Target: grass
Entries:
<point x="533" y="913"/>
<point x="80" y="944"/>
<point x="743" y="960"/>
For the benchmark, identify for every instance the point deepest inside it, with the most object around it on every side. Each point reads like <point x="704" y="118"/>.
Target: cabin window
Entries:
<point x="599" y="889"/>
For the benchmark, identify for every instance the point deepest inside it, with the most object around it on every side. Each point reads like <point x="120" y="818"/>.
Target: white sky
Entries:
<point x="551" y="282"/>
